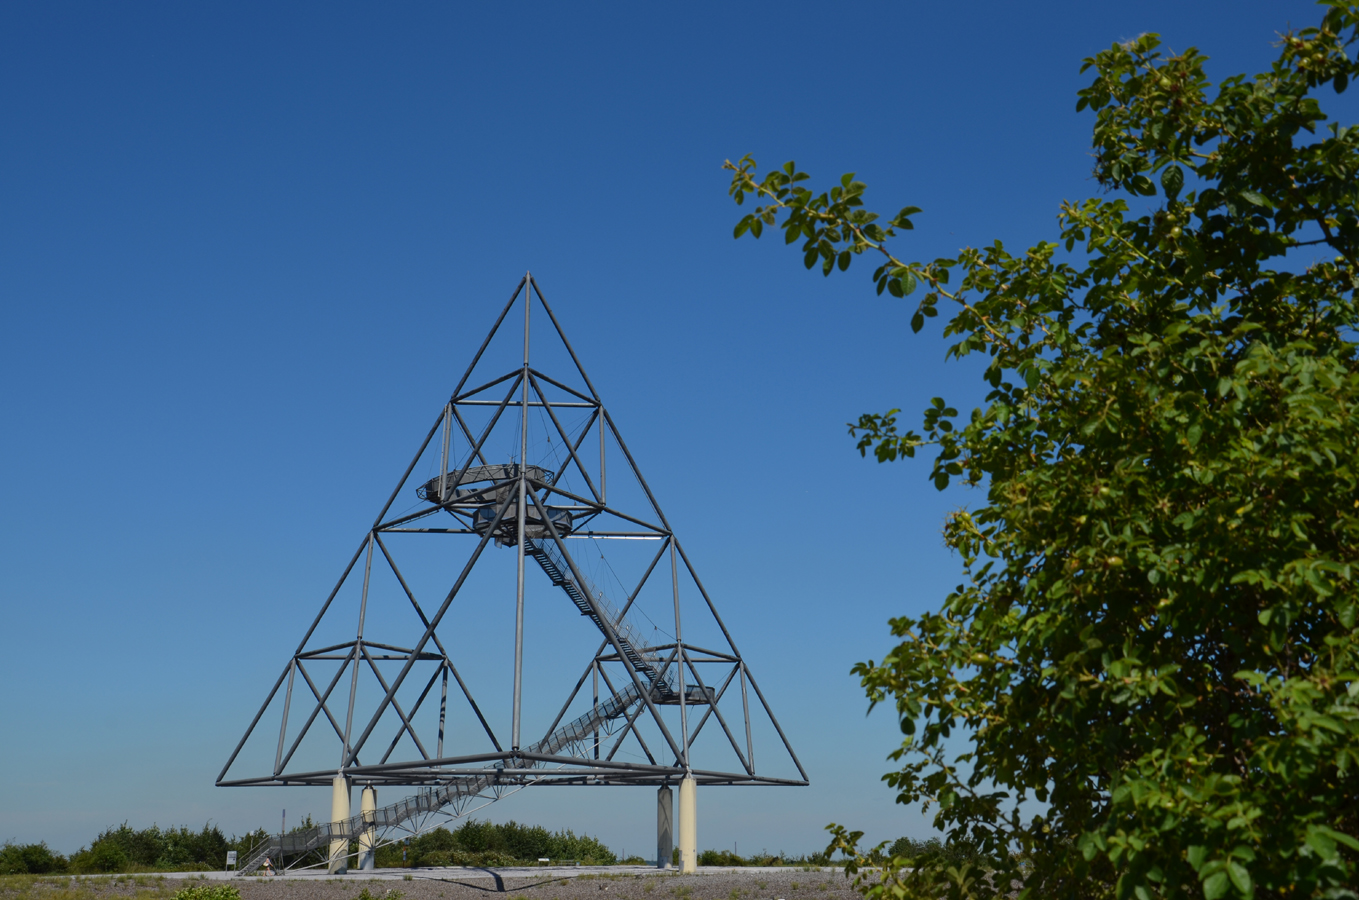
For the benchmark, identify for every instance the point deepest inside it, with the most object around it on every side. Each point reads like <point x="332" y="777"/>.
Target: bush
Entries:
<point x="952" y="852"/>
<point x="485" y="859"/>
<point x="122" y="848"/>
<point x="208" y="892"/>
<point x="763" y="858"/>
<point x="477" y="843"/>
<point x="29" y="859"/>
<point x="720" y="858"/>
<point x="102" y="856"/>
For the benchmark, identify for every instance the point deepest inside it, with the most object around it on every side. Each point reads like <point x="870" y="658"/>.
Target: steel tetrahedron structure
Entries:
<point x="523" y="505"/>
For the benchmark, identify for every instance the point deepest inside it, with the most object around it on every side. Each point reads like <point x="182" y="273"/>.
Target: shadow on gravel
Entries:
<point x="483" y="888"/>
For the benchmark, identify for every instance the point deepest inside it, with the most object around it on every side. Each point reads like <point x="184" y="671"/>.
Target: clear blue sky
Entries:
<point x="247" y="249"/>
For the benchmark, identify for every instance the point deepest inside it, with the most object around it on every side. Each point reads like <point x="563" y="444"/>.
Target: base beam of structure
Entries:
<point x="688" y="826"/>
<point x="339" y="813"/>
<point x="368" y="839"/>
<point x="665" y="827"/>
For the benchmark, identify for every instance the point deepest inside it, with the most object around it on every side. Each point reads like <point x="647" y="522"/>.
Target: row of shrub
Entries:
<point x="474" y="843"/>
<point x="906" y="848"/>
<point x="124" y="849"/>
<point x="728" y="858"/>
<point x="953" y="851"/>
<point x="477" y="843"/>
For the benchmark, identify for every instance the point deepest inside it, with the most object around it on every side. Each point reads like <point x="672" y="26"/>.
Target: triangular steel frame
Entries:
<point x="523" y="502"/>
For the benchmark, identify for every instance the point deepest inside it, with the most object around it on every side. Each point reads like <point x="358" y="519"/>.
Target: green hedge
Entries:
<point x="477" y="843"/>
<point x="120" y="848"/>
<point x="29" y="859"/>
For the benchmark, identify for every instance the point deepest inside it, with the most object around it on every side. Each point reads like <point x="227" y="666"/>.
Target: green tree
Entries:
<point x="29" y="859"/>
<point x="1150" y="667"/>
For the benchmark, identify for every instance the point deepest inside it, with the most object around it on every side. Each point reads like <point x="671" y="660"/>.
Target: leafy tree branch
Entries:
<point x="1153" y="657"/>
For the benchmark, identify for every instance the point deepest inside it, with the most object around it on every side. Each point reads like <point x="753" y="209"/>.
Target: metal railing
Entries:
<point x="433" y="799"/>
<point x="550" y="557"/>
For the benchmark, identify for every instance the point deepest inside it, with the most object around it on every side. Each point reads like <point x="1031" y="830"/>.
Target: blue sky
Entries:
<point x="246" y="251"/>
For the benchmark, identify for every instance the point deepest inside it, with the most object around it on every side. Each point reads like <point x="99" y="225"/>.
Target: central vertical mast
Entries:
<point x="522" y="513"/>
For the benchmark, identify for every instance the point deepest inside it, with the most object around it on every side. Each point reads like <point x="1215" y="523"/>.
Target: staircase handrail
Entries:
<point x="626" y="631"/>
<point x="434" y="798"/>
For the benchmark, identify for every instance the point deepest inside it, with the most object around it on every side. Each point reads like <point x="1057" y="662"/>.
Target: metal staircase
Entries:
<point x="552" y="562"/>
<point x="460" y="789"/>
<point x="430" y="800"/>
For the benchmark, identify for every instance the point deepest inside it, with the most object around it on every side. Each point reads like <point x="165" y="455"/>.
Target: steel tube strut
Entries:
<point x="611" y="634"/>
<point x="486" y="343"/>
<point x="358" y="649"/>
<point x="283" y="725"/>
<point x="520" y="524"/>
<point x="434" y="623"/>
<point x="513" y="511"/>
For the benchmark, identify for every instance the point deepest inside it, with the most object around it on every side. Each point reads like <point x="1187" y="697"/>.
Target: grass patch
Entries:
<point x="365" y="894"/>
<point x="62" y="887"/>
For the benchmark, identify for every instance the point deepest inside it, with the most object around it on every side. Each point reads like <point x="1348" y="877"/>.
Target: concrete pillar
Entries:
<point x="368" y="839"/>
<point x="339" y="812"/>
<point x="688" y="826"/>
<point x="665" y="827"/>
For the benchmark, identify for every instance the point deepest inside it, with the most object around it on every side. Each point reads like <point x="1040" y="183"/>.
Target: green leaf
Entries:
<point x="1338" y="836"/>
<point x="1172" y="180"/>
<point x="1168" y="493"/>
<point x="1321" y="842"/>
<point x="1215" y="886"/>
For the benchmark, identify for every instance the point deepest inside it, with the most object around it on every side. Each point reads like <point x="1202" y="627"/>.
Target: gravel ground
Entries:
<point x="727" y="884"/>
<point x="455" y="884"/>
<point x="614" y="883"/>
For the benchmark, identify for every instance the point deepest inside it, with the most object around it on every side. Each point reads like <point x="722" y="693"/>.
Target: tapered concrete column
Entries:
<point x="665" y="827"/>
<point x="339" y="812"/>
<point x="368" y="839"/>
<point x="688" y="826"/>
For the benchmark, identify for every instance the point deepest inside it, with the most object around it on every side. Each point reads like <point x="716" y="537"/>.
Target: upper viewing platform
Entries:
<point x="482" y="503"/>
